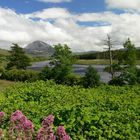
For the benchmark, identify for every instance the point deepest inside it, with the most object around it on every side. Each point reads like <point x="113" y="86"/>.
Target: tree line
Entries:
<point x="61" y="63"/>
<point x="105" y="54"/>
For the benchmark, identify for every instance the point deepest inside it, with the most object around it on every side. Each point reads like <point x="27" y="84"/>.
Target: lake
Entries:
<point x="78" y="69"/>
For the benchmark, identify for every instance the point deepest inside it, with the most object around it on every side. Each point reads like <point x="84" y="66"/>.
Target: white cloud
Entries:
<point x="124" y="4"/>
<point x="51" y="13"/>
<point x="54" y="1"/>
<point x="23" y="29"/>
<point x="16" y="28"/>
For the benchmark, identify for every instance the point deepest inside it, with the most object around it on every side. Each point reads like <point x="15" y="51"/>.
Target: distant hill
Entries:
<point x="39" y="48"/>
<point x="88" y="52"/>
<point x="104" y="54"/>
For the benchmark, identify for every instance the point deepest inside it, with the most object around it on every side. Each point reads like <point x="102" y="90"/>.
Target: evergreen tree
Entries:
<point x="127" y="63"/>
<point x="18" y="59"/>
<point x="129" y="55"/>
<point x="91" y="78"/>
<point x="61" y="63"/>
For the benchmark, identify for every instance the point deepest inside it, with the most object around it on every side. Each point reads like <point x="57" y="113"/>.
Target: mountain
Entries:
<point x="39" y="48"/>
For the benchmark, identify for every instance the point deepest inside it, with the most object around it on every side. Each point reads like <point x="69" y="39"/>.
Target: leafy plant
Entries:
<point x="18" y="59"/>
<point x="105" y="112"/>
<point x="91" y="78"/>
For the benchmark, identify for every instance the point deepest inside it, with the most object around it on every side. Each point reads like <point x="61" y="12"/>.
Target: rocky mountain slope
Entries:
<point x="39" y="48"/>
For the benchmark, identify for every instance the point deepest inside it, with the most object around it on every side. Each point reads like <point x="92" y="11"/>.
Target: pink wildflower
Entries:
<point x="46" y="131"/>
<point x="61" y="133"/>
<point x="28" y="125"/>
<point x="21" y="127"/>
<point x="16" y="116"/>
<point x="2" y="114"/>
<point x="48" y="121"/>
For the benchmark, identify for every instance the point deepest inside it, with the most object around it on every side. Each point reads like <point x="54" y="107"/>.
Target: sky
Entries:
<point x="81" y="24"/>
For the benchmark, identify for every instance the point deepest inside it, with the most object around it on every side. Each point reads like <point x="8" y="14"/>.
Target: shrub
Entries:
<point x="91" y="78"/>
<point x="105" y="112"/>
<point x="18" y="58"/>
<point x="72" y="80"/>
<point x="138" y="75"/>
<point x="20" y="75"/>
<point x="46" y="73"/>
<point x="129" y="76"/>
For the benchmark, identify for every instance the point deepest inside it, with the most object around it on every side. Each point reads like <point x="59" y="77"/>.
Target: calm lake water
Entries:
<point x="78" y="69"/>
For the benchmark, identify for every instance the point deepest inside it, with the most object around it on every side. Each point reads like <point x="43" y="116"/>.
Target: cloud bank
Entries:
<point x="124" y="4"/>
<point x="58" y="25"/>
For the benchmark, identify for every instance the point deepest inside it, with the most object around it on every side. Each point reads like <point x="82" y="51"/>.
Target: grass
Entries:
<point x="4" y="52"/>
<point x="4" y="84"/>
<point x="93" y="62"/>
<point x="97" y="62"/>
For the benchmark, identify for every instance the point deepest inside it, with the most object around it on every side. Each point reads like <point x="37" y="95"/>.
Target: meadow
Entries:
<point x="5" y="83"/>
<point x="98" y="62"/>
<point x="105" y="112"/>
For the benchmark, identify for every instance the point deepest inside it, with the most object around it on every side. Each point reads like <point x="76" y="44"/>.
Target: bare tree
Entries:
<point x="111" y="43"/>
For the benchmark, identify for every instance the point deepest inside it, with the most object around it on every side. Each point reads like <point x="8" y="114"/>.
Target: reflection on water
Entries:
<point x="78" y="69"/>
<point x="81" y="69"/>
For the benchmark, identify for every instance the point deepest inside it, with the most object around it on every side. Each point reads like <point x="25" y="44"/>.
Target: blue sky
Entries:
<point x="82" y="24"/>
<point x="78" y="6"/>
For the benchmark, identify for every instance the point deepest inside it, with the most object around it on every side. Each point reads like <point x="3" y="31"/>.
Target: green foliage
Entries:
<point x="46" y="73"/>
<point x="61" y="62"/>
<point x="55" y="74"/>
<point x="20" y="75"/>
<point x="106" y="112"/>
<point x="128" y="57"/>
<point x="18" y="59"/>
<point x="62" y="56"/>
<point x="127" y="65"/>
<point x="2" y="69"/>
<point x="72" y="80"/>
<point x="115" y="68"/>
<point x="129" y="76"/>
<point x="91" y="78"/>
<point x="138" y="75"/>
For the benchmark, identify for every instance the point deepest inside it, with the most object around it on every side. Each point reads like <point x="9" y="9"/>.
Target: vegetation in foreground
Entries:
<point x="105" y="112"/>
<point x="23" y="129"/>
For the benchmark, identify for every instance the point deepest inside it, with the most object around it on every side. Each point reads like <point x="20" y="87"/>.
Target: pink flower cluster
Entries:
<point x="20" y="127"/>
<point x="2" y="114"/>
<point x="23" y="129"/>
<point x="46" y="131"/>
<point x="61" y="133"/>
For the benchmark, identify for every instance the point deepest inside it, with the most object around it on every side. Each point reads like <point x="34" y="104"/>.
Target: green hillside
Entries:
<point x="3" y="57"/>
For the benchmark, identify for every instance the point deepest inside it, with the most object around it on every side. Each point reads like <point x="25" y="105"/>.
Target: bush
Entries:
<point x="72" y="80"/>
<point x="91" y="78"/>
<point x="138" y="75"/>
<point x="129" y="76"/>
<point x="2" y="70"/>
<point x="105" y="112"/>
<point x="20" y="75"/>
<point x="46" y="73"/>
